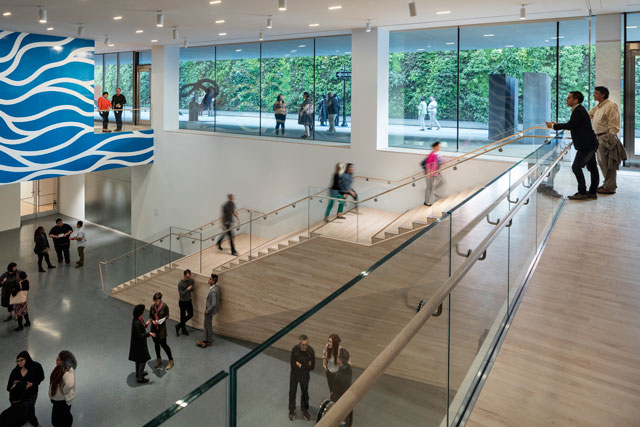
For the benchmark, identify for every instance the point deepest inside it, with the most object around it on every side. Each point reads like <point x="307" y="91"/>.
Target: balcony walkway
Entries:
<point x="572" y="355"/>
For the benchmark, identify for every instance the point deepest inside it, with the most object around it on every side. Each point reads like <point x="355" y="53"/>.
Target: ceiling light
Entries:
<point x="630" y="27"/>
<point x="154" y="40"/>
<point x="160" y="19"/>
<point x="412" y="9"/>
<point x="117" y="18"/>
<point x="269" y="22"/>
<point x="335" y="7"/>
<point x="420" y="50"/>
<point x="523" y="12"/>
<point x="6" y="14"/>
<point x="107" y="40"/>
<point x="558" y="37"/>
<point x="547" y="41"/>
<point x="509" y="45"/>
<point x="215" y="2"/>
<point x="57" y="48"/>
<point x="220" y="21"/>
<point x="488" y="35"/>
<point x="80" y="30"/>
<point x="111" y="45"/>
<point x="367" y="26"/>
<point x="282" y="4"/>
<point x="222" y="34"/>
<point x="238" y="50"/>
<point x="176" y="34"/>
<point x="302" y="45"/>
<point x="42" y="16"/>
<point x="314" y="25"/>
<point x="50" y="28"/>
<point x="260" y="36"/>
<point x="139" y="31"/>
<point x="347" y="52"/>
<point x="443" y="12"/>
<point x="450" y="43"/>
<point x="186" y="43"/>
<point x="294" y="50"/>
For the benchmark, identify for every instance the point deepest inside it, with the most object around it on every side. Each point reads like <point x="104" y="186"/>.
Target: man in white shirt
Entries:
<point x="433" y="113"/>
<point x="422" y="111"/>
<point x="605" y="117"/>
<point x="81" y="240"/>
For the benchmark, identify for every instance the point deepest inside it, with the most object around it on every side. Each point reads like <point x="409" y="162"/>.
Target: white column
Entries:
<point x="609" y="54"/>
<point x="71" y="196"/>
<point x="370" y="88"/>
<point x="165" y="66"/>
<point x="10" y="212"/>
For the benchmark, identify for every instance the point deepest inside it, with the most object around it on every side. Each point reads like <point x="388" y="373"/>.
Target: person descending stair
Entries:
<point x="334" y="193"/>
<point x="433" y="178"/>
<point x="228" y="212"/>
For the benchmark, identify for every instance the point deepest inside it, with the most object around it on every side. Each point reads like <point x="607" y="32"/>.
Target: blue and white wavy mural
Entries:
<point x="46" y="112"/>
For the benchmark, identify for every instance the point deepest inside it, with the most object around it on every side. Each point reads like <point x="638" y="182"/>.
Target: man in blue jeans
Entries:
<point x="586" y="144"/>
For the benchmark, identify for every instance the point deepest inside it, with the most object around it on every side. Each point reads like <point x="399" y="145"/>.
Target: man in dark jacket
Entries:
<point x="60" y="235"/>
<point x="342" y="380"/>
<point x="332" y="111"/>
<point x="585" y="143"/>
<point x="22" y="411"/>
<point x="118" y="102"/>
<point x="303" y="361"/>
<point x="8" y="281"/>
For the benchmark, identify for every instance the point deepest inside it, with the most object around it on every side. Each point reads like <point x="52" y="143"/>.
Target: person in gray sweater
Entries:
<point x="185" y="288"/>
<point x="211" y="309"/>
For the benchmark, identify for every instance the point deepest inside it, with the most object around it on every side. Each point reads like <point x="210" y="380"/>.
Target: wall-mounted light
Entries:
<point x="270" y="22"/>
<point x="282" y="5"/>
<point x="160" y="19"/>
<point x="412" y="9"/>
<point x="42" y="15"/>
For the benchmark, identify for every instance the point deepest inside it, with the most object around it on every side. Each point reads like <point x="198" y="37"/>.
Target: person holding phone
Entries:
<point x="138" y="351"/>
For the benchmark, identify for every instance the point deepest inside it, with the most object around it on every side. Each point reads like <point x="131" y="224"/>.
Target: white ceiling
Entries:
<point x="245" y="18"/>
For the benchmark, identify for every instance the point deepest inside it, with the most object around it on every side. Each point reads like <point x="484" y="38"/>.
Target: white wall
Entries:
<point x="609" y="54"/>
<point x="10" y="212"/>
<point x="193" y="172"/>
<point x="71" y="196"/>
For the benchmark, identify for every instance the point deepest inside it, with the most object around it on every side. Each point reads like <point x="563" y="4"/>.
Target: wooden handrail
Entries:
<point x="375" y="370"/>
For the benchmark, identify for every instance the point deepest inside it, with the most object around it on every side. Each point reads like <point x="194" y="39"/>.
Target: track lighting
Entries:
<point x="523" y="12"/>
<point x="80" y="30"/>
<point x="269" y="22"/>
<point x="160" y="19"/>
<point x="282" y="4"/>
<point x="412" y="8"/>
<point x="175" y="33"/>
<point x="261" y="36"/>
<point x="107" y="41"/>
<point x="368" y="26"/>
<point x="186" y="43"/>
<point x="42" y="15"/>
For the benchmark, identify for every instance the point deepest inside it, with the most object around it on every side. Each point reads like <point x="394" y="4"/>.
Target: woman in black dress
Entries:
<point x="138" y="351"/>
<point x="28" y="372"/>
<point x="42" y="248"/>
<point x="158" y="316"/>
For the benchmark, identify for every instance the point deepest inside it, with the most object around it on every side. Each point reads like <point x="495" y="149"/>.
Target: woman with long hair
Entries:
<point x="334" y="193"/>
<point x="138" y="351"/>
<point x="330" y="358"/>
<point x="20" y="300"/>
<point x="29" y="372"/>
<point x="62" y="389"/>
<point x="42" y="248"/>
<point x="280" y="111"/>
<point x="306" y="114"/>
<point x="158" y="315"/>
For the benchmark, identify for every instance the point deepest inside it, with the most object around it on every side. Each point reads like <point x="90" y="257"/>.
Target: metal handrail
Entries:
<point x="374" y="371"/>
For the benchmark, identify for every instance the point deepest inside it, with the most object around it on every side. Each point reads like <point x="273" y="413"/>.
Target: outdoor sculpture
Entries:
<point x="211" y="91"/>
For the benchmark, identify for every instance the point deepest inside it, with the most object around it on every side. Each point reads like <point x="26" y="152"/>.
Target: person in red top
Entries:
<point x="104" y="105"/>
<point x="431" y="165"/>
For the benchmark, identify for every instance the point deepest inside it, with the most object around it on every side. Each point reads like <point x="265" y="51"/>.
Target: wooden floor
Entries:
<point x="572" y="355"/>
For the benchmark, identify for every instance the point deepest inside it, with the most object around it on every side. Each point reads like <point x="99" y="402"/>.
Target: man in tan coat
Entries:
<point x="605" y="117"/>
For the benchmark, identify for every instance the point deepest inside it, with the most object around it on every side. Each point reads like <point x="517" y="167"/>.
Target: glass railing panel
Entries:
<point x="478" y="307"/>
<point x="275" y="231"/>
<point x="206" y="404"/>
<point x="186" y="248"/>
<point x="133" y="119"/>
<point x="367" y="313"/>
<point x="211" y="258"/>
<point x="119" y="270"/>
<point x="550" y="193"/>
<point x="153" y="256"/>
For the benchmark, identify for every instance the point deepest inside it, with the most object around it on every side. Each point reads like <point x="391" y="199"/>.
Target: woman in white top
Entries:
<point x="433" y="113"/>
<point x="62" y="389"/>
<point x="330" y="358"/>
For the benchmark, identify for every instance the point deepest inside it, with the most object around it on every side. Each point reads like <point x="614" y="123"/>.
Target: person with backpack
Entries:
<point x="211" y="309"/>
<point x="431" y="164"/>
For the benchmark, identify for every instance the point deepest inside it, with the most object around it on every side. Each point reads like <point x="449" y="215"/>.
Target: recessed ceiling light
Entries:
<point x="139" y="31"/>
<point x="488" y="35"/>
<point x="9" y="14"/>
<point x="630" y="27"/>
<point x="558" y="37"/>
<point x="222" y="34"/>
<point x="215" y="2"/>
<point x="111" y="45"/>
<point x="220" y="21"/>
<point x="443" y="12"/>
<point x="420" y="50"/>
<point x="547" y="41"/>
<point x="287" y="55"/>
<point x="294" y="50"/>
<point x="154" y="40"/>
<point x="509" y="45"/>
<point x="50" y="28"/>
<point x="450" y="43"/>
<point x="348" y="52"/>
<point x="314" y="25"/>
<point x="335" y="7"/>
<point x="117" y="18"/>
<point x="302" y="45"/>
<point x="238" y="50"/>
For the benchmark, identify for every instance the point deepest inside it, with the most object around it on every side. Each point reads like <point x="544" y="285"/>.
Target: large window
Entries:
<point x="465" y="86"/>
<point x="235" y="88"/>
